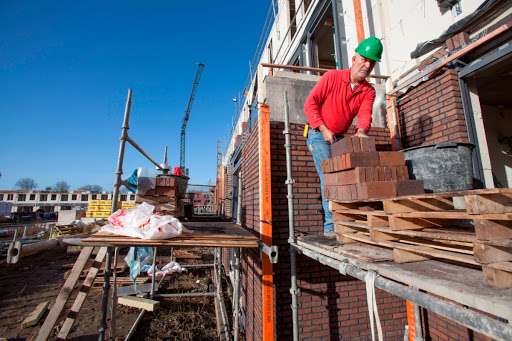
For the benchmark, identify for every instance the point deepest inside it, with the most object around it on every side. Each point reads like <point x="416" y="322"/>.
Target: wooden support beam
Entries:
<point x="403" y="256"/>
<point x="485" y="253"/>
<point x="139" y="303"/>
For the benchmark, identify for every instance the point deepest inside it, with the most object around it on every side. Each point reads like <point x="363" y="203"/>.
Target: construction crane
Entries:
<point x="187" y="114"/>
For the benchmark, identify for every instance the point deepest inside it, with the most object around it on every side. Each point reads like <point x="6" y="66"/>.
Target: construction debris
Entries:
<point x="35" y="316"/>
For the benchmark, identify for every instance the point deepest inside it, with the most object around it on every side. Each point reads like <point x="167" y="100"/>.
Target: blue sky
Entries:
<point x="65" y="71"/>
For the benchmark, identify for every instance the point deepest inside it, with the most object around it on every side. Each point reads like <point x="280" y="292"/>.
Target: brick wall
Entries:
<point x="438" y="328"/>
<point x="250" y="265"/>
<point x="330" y="305"/>
<point x="432" y="112"/>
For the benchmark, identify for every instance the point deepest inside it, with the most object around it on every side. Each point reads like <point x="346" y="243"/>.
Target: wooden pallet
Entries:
<point x="470" y="227"/>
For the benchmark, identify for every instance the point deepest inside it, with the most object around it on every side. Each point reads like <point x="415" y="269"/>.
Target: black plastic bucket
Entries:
<point x="443" y="167"/>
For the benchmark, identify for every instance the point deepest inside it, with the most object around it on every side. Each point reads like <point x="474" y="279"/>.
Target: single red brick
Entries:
<point x="369" y="174"/>
<point x="367" y="159"/>
<point x="405" y="170"/>
<point x="359" y="191"/>
<point x="337" y="163"/>
<point x="341" y="146"/>
<point x="330" y="179"/>
<point x="387" y="174"/>
<point x="449" y="43"/>
<point x="353" y="192"/>
<point x="409" y="187"/>
<point x="380" y="189"/>
<point x="392" y="158"/>
<point x="375" y="173"/>
<point x="324" y="166"/>
<point x="381" y="174"/>
<point x="394" y="173"/>
<point x="399" y="173"/>
<point x="356" y="143"/>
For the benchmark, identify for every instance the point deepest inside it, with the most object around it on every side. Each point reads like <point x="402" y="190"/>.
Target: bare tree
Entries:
<point x="92" y="188"/>
<point x="48" y="188"/>
<point x="26" y="184"/>
<point x="61" y="186"/>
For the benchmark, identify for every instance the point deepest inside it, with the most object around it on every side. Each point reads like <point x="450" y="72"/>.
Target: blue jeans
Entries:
<point x="321" y="150"/>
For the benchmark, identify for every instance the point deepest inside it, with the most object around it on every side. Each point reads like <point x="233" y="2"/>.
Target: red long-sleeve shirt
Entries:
<point x="333" y="103"/>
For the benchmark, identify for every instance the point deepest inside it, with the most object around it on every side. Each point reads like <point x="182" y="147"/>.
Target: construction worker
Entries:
<point x="338" y="97"/>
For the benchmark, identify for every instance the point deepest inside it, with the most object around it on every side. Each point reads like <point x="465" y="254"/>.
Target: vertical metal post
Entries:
<point x="417" y="322"/>
<point x="291" y="222"/>
<point x="236" y="294"/>
<point x="104" y="301"/>
<point x="153" y="275"/>
<point x="115" y="195"/>
<point x="120" y="158"/>
<point x="114" y="297"/>
<point x="220" y="296"/>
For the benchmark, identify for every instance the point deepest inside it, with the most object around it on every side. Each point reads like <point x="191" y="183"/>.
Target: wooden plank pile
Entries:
<point x="357" y="171"/>
<point x="472" y="228"/>
<point x="164" y="196"/>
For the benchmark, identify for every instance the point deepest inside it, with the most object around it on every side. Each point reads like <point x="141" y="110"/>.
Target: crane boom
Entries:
<point x="187" y="115"/>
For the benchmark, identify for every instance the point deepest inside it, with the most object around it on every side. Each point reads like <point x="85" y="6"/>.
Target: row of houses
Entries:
<point x="49" y="201"/>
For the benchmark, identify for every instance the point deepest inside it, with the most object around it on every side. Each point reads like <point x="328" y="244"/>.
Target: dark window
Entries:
<point x="22" y="197"/>
<point x="73" y="196"/>
<point x="43" y="197"/>
<point x="64" y="197"/>
<point x="32" y="197"/>
<point x="54" y="197"/>
<point x="1" y="197"/>
<point x="85" y="197"/>
<point x="123" y="197"/>
<point x="104" y="197"/>
<point x="132" y="197"/>
<point x="10" y="196"/>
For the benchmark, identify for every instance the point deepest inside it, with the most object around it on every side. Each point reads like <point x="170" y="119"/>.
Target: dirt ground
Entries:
<point x="38" y="278"/>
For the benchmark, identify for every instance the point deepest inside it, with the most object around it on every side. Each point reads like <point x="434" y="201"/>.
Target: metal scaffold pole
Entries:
<point x="291" y="238"/>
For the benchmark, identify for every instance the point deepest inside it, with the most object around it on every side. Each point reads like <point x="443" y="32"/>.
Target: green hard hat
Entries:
<point x="370" y="48"/>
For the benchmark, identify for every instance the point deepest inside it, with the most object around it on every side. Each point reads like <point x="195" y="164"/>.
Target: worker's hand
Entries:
<point x="329" y="136"/>
<point x="361" y="133"/>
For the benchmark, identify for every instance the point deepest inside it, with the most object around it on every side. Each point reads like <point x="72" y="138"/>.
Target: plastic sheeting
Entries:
<point x="429" y="45"/>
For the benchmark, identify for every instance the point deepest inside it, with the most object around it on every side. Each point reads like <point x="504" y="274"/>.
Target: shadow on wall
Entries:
<point x="418" y="132"/>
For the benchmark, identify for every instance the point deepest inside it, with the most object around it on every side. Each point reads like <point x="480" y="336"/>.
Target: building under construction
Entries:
<point x="398" y="267"/>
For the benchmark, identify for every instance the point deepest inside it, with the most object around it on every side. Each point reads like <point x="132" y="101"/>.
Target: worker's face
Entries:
<point x="361" y="67"/>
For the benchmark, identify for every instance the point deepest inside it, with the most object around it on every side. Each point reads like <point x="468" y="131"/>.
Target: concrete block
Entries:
<point x="68" y="216"/>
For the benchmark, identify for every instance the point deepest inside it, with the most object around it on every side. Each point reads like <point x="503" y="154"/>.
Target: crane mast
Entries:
<point x="187" y="114"/>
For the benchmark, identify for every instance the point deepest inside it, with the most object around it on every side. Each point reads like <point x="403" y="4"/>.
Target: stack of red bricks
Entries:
<point x="357" y="171"/>
<point x="163" y="196"/>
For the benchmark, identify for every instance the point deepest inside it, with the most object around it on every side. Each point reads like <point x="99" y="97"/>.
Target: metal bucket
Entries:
<point x="443" y="167"/>
<point x="181" y="185"/>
